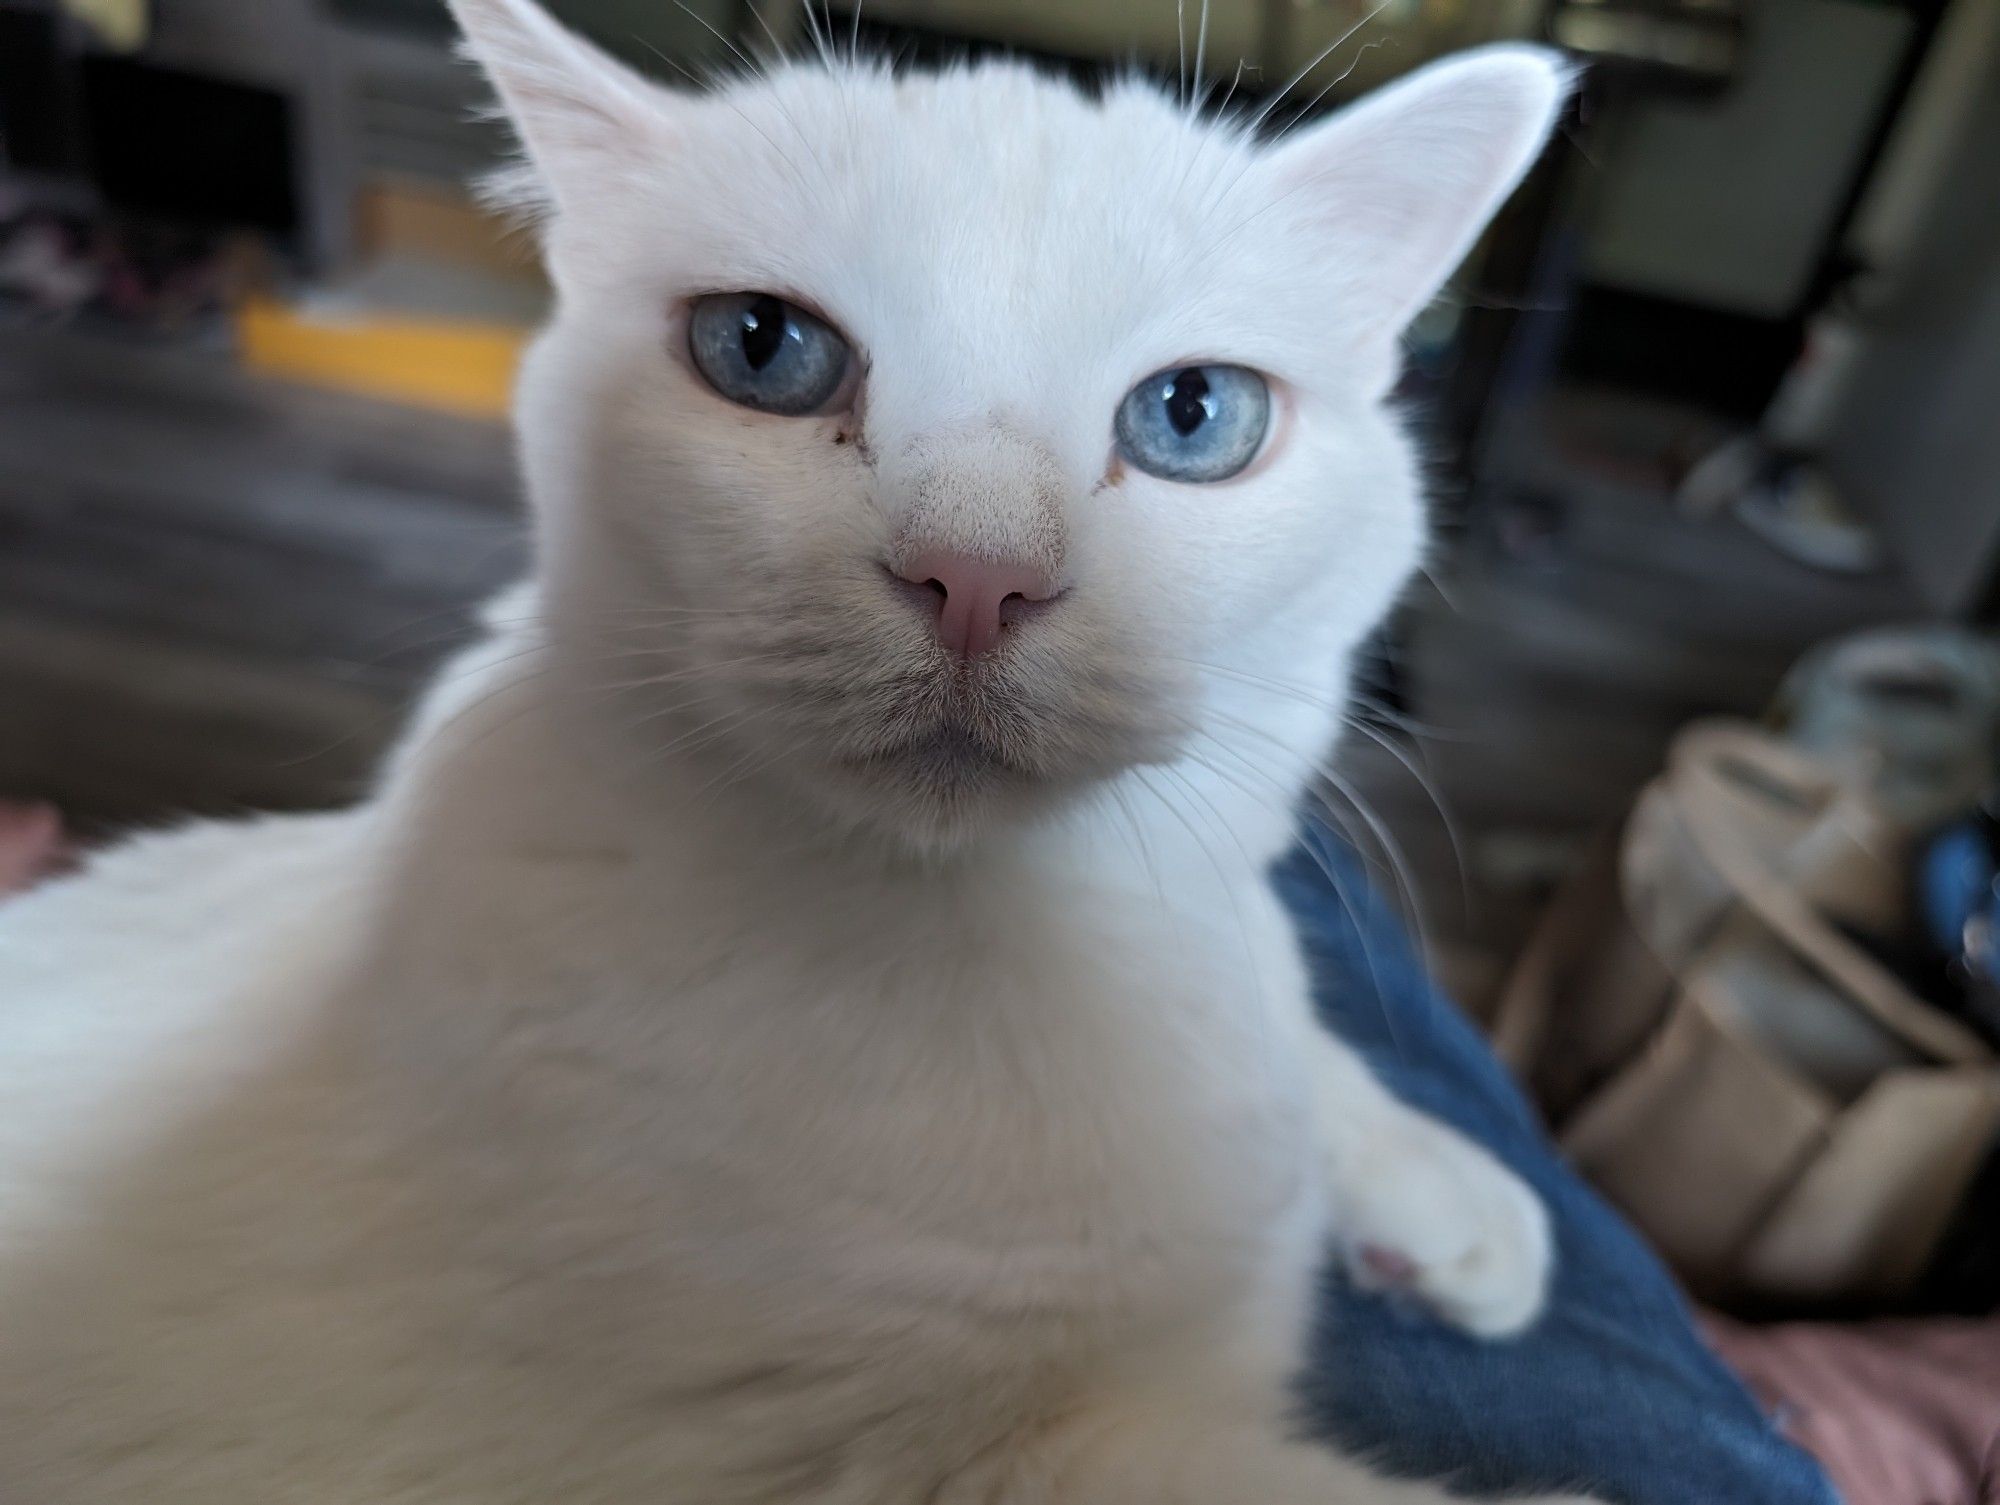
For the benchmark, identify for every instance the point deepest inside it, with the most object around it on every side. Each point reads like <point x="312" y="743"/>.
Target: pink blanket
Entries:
<point x="31" y="844"/>
<point x="1900" y="1413"/>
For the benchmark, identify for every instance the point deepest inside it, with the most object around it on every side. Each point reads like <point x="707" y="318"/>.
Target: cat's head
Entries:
<point x="942" y="445"/>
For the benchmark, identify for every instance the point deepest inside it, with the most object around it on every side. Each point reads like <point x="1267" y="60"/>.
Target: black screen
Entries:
<point x="184" y="147"/>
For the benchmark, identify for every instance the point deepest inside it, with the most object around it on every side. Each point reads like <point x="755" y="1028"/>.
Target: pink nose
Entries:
<point x="975" y="598"/>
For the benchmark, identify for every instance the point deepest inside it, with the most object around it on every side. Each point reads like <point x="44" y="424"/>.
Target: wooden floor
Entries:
<point x="217" y="594"/>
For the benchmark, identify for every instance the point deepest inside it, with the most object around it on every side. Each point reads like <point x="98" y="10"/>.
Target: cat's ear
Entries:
<point x="585" y="119"/>
<point x="1393" y="191"/>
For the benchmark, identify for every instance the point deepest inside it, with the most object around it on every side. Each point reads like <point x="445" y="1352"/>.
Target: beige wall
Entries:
<point x="1918" y="444"/>
<point x="1400" y="35"/>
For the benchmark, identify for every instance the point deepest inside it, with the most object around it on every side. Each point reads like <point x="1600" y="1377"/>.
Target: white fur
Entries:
<point x="734" y="1057"/>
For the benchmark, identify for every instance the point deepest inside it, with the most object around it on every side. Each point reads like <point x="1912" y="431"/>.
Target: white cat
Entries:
<point x="803" y="1018"/>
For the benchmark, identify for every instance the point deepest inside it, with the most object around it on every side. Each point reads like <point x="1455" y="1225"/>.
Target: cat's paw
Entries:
<point x="1430" y="1213"/>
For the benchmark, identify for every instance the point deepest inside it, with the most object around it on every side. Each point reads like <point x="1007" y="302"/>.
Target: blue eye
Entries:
<point x="1195" y="423"/>
<point x="766" y="353"/>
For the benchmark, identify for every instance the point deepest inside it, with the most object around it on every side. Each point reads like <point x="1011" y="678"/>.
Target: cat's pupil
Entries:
<point x="763" y="331"/>
<point x="1188" y="406"/>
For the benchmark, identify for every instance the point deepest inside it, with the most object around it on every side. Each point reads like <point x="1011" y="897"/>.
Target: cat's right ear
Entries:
<point x="1389" y="194"/>
<point x="586" y="120"/>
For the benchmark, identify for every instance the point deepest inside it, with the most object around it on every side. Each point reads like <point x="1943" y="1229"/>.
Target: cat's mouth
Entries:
<point x="889" y="730"/>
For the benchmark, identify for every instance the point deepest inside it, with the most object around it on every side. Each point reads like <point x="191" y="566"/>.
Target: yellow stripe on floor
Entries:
<point x="460" y="368"/>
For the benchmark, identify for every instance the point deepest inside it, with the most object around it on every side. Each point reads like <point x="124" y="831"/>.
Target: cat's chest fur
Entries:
<point x="1077" y="1044"/>
<point x="669" y="1177"/>
<point x="1023" y="1093"/>
<point x="665" y="1135"/>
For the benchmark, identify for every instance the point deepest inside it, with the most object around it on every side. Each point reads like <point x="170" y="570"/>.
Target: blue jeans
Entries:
<point x="1613" y="1391"/>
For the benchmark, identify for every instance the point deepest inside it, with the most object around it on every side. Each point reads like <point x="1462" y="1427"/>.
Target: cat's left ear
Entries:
<point x="1392" y="192"/>
<point x="585" y="119"/>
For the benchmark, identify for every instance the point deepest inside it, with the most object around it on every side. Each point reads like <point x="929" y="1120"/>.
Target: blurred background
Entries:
<point x="1722" y="383"/>
<point x="1713" y="413"/>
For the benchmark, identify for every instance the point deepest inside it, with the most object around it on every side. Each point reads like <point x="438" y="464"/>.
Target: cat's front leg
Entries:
<point x="1419" y="1207"/>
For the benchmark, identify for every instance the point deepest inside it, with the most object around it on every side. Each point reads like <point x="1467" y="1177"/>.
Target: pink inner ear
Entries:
<point x="1397" y="186"/>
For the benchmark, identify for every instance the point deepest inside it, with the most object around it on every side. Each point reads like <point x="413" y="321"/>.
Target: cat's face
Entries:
<point x="941" y="444"/>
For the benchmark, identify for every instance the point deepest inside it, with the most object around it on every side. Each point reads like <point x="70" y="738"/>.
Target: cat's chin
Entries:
<point x="938" y="792"/>
<point x="947" y="759"/>
<point x="941" y="792"/>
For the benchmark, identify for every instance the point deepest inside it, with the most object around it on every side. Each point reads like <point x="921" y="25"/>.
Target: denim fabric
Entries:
<point x="1613" y="1390"/>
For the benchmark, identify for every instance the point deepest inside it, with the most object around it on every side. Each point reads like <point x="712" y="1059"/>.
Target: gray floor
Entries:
<point x="216" y="594"/>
